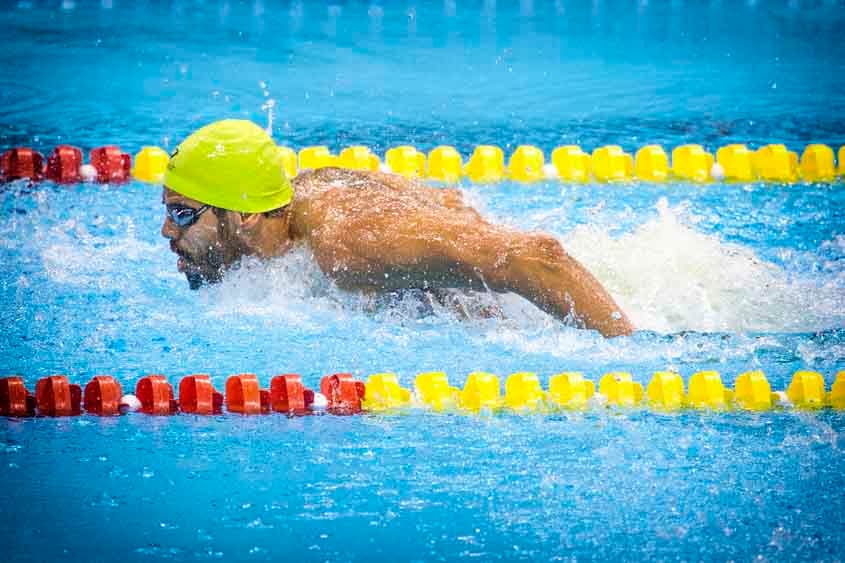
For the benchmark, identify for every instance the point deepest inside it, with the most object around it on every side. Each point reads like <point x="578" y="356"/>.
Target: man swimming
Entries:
<point x="227" y="196"/>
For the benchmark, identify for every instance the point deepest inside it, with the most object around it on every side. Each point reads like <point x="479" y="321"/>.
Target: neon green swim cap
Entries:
<point x="232" y="164"/>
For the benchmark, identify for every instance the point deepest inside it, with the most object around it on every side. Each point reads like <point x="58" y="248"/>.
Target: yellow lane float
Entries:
<point x="406" y="160"/>
<point x="665" y="391"/>
<point x="806" y="390"/>
<point x="707" y="391"/>
<point x="836" y="399"/>
<point x="445" y="164"/>
<point x="526" y="164"/>
<point x="486" y="165"/>
<point x="481" y="392"/>
<point x="620" y="389"/>
<point x="570" y="390"/>
<point x="752" y="391"/>
<point x="433" y="390"/>
<point x="776" y="163"/>
<point x="692" y="163"/>
<point x="384" y="393"/>
<point x="572" y="164"/>
<point x="651" y="164"/>
<point x="773" y="163"/>
<point x="358" y="158"/>
<point x="737" y="163"/>
<point x="150" y="165"/>
<point x="612" y="164"/>
<point x="313" y="158"/>
<point x="817" y="164"/>
<point x="523" y="392"/>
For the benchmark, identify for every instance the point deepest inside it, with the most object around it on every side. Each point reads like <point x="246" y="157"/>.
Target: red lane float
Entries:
<point x="15" y="398"/>
<point x="343" y="392"/>
<point x="288" y="395"/>
<point x="56" y="396"/>
<point x="102" y="396"/>
<point x="63" y="164"/>
<point x="245" y="396"/>
<point x="197" y="395"/>
<point x="156" y="395"/>
<point x="21" y="162"/>
<point x="112" y="164"/>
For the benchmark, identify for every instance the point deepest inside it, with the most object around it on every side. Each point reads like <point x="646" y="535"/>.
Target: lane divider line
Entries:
<point x="734" y="163"/>
<point x="341" y="394"/>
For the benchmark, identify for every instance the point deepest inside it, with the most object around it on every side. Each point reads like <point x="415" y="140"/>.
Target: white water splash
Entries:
<point x="73" y="255"/>
<point x="669" y="277"/>
<point x="293" y="289"/>
<point x="666" y="275"/>
<point x="267" y="106"/>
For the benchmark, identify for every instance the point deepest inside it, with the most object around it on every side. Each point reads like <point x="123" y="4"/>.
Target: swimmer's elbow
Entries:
<point x="624" y="329"/>
<point x="616" y="325"/>
<point x="549" y="248"/>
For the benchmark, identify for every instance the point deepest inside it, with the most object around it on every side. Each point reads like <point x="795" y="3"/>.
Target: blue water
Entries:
<point x="725" y="277"/>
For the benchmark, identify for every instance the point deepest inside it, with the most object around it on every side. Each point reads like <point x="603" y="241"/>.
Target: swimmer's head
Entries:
<point x="225" y="188"/>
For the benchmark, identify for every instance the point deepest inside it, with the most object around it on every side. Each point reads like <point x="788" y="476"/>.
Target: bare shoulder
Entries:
<point x="363" y="225"/>
<point x="313" y="183"/>
<point x="336" y="194"/>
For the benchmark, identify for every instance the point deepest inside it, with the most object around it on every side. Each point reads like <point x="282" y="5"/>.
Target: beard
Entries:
<point x="195" y="280"/>
<point x="209" y="271"/>
<point x="198" y="278"/>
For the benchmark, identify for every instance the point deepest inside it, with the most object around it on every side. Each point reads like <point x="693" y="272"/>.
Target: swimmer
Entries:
<point x="227" y="196"/>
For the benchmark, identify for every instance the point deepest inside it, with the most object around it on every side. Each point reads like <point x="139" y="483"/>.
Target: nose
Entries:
<point x="169" y="230"/>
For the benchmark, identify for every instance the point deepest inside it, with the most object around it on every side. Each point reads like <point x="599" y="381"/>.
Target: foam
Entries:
<point x="72" y="255"/>
<point x="670" y="277"/>
<point x="293" y="288"/>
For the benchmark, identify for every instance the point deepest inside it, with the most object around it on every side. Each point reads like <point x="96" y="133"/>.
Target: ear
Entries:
<point x="250" y="220"/>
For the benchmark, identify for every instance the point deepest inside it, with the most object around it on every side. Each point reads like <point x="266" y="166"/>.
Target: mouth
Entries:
<point x="195" y="280"/>
<point x="196" y="274"/>
<point x="192" y="272"/>
<point x="183" y="262"/>
<point x="186" y="266"/>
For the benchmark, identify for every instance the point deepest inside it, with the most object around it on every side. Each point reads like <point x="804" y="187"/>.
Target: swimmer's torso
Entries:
<point x="318" y="193"/>
<point x="332" y="199"/>
<point x="352" y="218"/>
<point x="382" y="232"/>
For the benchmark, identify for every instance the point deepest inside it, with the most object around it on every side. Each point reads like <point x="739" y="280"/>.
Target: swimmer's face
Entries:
<point x="205" y="248"/>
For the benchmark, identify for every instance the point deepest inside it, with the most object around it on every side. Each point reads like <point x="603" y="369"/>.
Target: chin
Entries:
<point x="196" y="279"/>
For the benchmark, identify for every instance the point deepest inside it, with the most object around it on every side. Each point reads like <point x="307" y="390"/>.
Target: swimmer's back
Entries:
<point x="376" y="231"/>
<point x="318" y="193"/>
<point x="371" y="229"/>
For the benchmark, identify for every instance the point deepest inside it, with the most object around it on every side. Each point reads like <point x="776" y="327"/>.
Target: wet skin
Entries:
<point x="381" y="232"/>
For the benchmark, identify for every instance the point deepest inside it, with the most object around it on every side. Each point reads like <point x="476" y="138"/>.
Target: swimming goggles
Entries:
<point x="183" y="216"/>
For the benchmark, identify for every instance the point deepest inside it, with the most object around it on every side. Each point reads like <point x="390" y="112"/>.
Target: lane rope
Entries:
<point x="735" y="163"/>
<point x="342" y="394"/>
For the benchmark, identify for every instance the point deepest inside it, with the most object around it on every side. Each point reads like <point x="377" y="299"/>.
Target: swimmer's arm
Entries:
<point x="537" y="267"/>
<point x="418" y="251"/>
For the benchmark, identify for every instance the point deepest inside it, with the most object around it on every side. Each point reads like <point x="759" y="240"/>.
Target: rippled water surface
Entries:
<point x="727" y="277"/>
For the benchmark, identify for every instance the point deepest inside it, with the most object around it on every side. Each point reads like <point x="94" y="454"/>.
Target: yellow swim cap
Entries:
<point x="232" y="164"/>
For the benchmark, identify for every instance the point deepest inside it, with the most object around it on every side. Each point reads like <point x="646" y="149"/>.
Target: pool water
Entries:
<point x="728" y="277"/>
